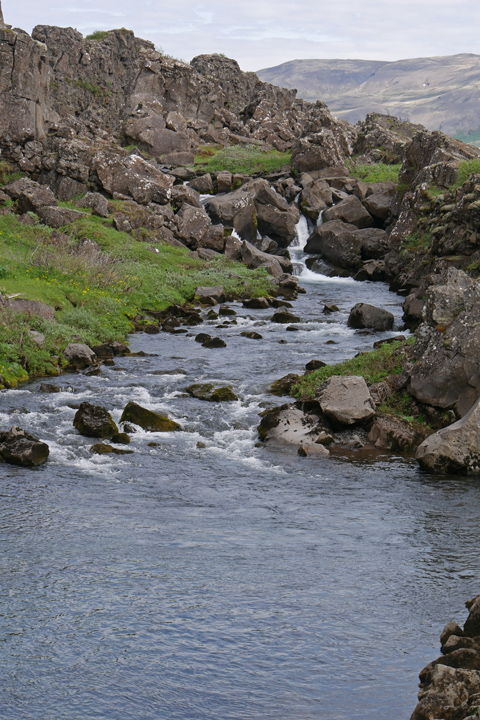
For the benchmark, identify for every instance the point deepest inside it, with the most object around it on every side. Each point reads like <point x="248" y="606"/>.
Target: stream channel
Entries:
<point x="224" y="580"/>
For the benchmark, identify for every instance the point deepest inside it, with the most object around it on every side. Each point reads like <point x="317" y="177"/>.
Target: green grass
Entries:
<point x="95" y="290"/>
<point x="98" y="35"/>
<point x="417" y="241"/>
<point x="376" y="172"/>
<point x="374" y="366"/>
<point x="241" y="159"/>
<point x="466" y="168"/>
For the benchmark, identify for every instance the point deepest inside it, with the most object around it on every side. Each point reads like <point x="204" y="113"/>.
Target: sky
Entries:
<point x="264" y="33"/>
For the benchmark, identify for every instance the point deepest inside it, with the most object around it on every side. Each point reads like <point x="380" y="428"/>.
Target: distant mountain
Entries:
<point x="442" y="93"/>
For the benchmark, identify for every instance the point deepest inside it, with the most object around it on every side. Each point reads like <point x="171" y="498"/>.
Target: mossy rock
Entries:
<point x="206" y="391"/>
<point x="94" y="421"/>
<point x="284" y="384"/>
<point x="201" y="391"/>
<point x="251" y="334"/>
<point x="105" y="449"/>
<point x="223" y="394"/>
<point x="148" y="419"/>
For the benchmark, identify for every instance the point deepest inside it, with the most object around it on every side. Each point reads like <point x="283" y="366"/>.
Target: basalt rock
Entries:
<point x="363" y="315"/>
<point x="79" y="356"/>
<point x="94" y="421"/>
<point x="18" y="447"/>
<point x="345" y="400"/>
<point x="450" y="685"/>
<point x="148" y="419"/>
<point x="446" y="374"/>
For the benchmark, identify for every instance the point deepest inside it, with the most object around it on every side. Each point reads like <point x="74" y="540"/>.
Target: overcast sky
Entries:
<point x="263" y="33"/>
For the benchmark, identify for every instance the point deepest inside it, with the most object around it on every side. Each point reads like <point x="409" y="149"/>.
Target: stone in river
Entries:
<point x="18" y="447"/>
<point x="148" y="419"/>
<point x="94" y="421"/>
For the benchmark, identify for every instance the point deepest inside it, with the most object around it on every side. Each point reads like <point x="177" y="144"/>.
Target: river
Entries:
<point x="205" y="577"/>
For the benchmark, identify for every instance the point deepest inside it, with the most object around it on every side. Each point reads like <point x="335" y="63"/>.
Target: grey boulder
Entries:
<point x="454" y="449"/>
<point x="346" y="400"/>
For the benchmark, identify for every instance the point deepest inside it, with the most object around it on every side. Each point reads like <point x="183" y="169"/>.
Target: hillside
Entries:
<point x="442" y="93"/>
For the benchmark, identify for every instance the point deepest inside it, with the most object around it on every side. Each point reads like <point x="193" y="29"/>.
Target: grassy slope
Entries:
<point x="245" y="160"/>
<point x="97" y="290"/>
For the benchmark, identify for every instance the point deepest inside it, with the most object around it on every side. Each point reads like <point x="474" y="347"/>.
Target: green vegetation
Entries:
<point x="374" y="366"/>
<point x="92" y="87"/>
<point x="97" y="287"/>
<point x="98" y="35"/>
<point x="7" y="173"/>
<point x="376" y="172"/>
<point x="243" y="159"/>
<point x="417" y="241"/>
<point x="466" y="168"/>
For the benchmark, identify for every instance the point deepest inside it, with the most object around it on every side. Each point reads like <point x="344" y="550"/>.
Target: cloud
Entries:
<point x="268" y="32"/>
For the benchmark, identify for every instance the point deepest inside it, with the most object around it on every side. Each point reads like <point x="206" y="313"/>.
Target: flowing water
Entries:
<point x="204" y="577"/>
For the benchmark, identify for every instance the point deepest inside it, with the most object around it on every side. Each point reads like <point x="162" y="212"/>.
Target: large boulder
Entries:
<point x="56" y="217"/>
<point x="148" y="419"/>
<point x="363" y="315"/>
<point x="192" y="224"/>
<point x="393" y="433"/>
<point x="447" y="372"/>
<point x="275" y="217"/>
<point x="320" y="150"/>
<point x="235" y="210"/>
<point x="288" y="424"/>
<point x="132" y="176"/>
<point x="79" y="356"/>
<point x="30" y="307"/>
<point x="254" y="258"/>
<point x="94" y="421"/>
<point x="336" y="243"/>
<point x="346" y="400"/>
<point x="315" y="197"/>
<point x="30" y="195"/>
<point x="454" y="449"/>
<point x="18" y="447"/>
<point x="148" y="129"/>
<point x="350" y="210"/>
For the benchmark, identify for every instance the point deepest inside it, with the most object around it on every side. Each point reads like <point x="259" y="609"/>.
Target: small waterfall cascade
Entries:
<point x="304" y="229"/>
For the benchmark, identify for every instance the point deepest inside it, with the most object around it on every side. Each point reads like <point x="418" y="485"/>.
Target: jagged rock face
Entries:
<point x="383" y="138"/>
<point x="24" y="90"/>
<point x="434" y="157"/>
<point x="447" y="374"/>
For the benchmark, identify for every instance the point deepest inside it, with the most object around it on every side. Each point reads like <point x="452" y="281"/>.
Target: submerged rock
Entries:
<point x="105" y="449"/>
<point x="18" y="447"/>
<point x="94" y="421"/>
<point x="207" y="391"/>
<point x="148" y="419"/>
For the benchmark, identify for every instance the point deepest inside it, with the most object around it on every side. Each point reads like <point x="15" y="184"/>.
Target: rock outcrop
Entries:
<point x="450" y="685"/>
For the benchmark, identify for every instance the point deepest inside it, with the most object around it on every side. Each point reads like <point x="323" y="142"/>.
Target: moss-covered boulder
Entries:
<point x="148" y="419"/>
<point x="201" y="391"/>
<point x="284" y="384"/>
<point x="94" y="421"/>
<point x="223" y="394"/>
<point x="206" y="391"/>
